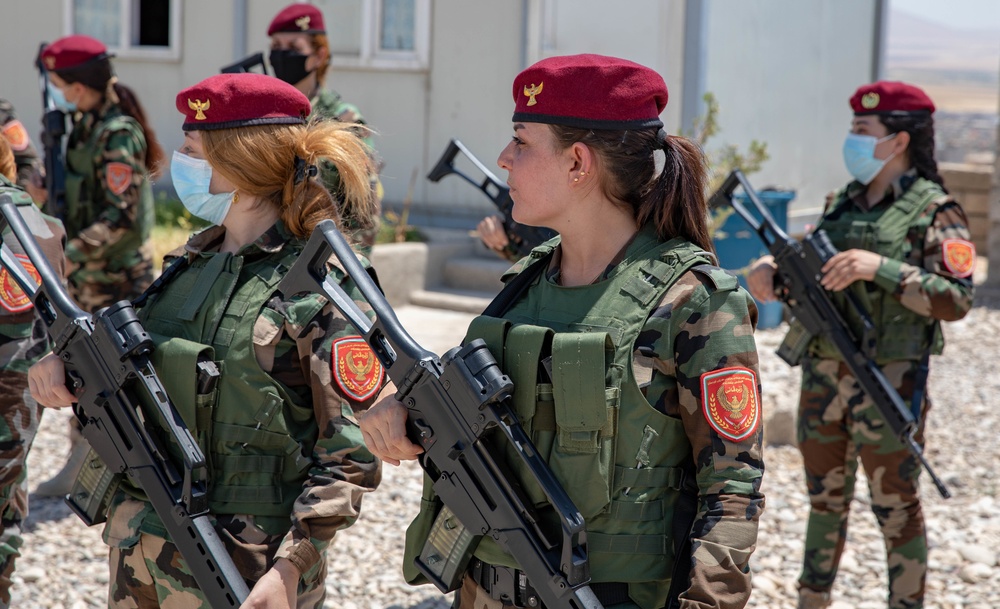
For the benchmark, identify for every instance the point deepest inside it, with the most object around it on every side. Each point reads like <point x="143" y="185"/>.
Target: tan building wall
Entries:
<point x="971" y="186"/>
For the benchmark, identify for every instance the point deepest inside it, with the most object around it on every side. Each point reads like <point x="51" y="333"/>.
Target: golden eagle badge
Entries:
<point x="303" y="22"/>
<point x="356" y="369"/>
<point x="959" y="257"/>
<point x="12" y="297"/>
<point x="729" y="401"/>
<point x="532" y="91"/>
<point x="199" y="108"/>
<point x="869" y="100"/>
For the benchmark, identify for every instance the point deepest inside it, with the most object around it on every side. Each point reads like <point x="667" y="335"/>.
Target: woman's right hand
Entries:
<point x="760" y="279"/>
<point x="384" y="429"/>
<point x="492" y="233"/>
<point x="47" y="383"/>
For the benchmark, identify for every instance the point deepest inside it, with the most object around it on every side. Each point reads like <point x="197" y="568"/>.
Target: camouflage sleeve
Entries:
<point x="120" y="170"/>
<point x="343" y="377"/>
<point x="25" y="157"/>
<point x="704" y="358"/>
<point x="935" y="278"/>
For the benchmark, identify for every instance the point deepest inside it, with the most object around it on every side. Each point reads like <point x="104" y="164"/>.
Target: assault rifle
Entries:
<point x="53" y="131"/>
<point x="452" y="402"/>
<point x="799" y="271"/>
<point x="106" y="356"/>
<point x="522" y="237"/>
<point x="247" y="64"/>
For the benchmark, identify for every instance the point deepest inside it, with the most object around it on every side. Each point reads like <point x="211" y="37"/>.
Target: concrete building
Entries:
<point x="424" y="71"/>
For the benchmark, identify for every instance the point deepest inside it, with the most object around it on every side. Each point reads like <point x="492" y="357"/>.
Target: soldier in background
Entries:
<point x="29" y="167"/>
<point x="633" y="358"/>
<point x="110" y="155"/>
<point x="22" y="342"/>
<point x="300" y="56"/>
<point x="906" y="254"/>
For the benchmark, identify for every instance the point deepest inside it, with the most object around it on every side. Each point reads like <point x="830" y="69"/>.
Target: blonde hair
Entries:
<point x="260" y="160"/>
<point x="7" y="165"/>
<point x="320" y="41"/>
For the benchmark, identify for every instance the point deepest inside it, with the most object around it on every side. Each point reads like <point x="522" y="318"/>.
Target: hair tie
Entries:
<point x="302" y="170"/>
<point x="661" y="138"/>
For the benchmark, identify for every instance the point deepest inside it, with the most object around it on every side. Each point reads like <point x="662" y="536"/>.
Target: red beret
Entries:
<point x="72" y="51"/>
<point x="298" y="18"/>
<point x="225" y="101"/>
<point x="590" y="92"/>
<point x="890" y="97"/>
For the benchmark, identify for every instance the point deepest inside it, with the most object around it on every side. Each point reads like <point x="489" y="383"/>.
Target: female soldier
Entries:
<point x="300" y="56"/>
<point x="288" y="466"/>
<point x="905" y="253"/>
<point x="110" y="155"/>
<point x="640" y="352"/>
<point x="22" y="342"/>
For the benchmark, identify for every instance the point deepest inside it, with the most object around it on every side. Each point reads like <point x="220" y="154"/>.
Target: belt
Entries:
<point x="512" y="587"/>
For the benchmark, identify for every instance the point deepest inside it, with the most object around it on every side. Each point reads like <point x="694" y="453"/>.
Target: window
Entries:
<point x="386" y="34"/>
<point x="146" y="29"/>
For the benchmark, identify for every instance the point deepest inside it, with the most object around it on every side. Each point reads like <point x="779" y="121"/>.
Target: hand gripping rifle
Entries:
<point x="53" y="131"/>
<point x="107" y="364"/>
<point x="452" y="402"/>
<point x="799" y="272"/>
<point x="523" y="238"/>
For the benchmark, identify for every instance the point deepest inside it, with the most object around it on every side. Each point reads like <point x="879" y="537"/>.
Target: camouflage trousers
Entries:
<point x="838" y="426"/>
<point x="473" y="596"/>
<point x="18" y="426"/>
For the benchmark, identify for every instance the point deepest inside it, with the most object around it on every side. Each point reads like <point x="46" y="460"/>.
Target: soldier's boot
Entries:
<point x="813" y="599"/>
<point x="62" y="482"/>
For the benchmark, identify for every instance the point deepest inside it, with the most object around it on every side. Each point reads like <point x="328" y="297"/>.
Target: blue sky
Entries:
<point x="978" y="14"/>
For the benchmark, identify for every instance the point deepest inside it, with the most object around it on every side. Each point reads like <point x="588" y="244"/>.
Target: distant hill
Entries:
<point x="959" y="67"/>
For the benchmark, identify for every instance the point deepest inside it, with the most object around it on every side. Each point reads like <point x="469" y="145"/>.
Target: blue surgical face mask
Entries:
<point x="859" y="156"/>
<point x="59" y="99"/>
<point x="192" y="178"/>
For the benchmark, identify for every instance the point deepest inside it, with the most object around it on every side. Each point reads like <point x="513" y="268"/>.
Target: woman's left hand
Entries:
<point x="849" y="266"/>
<point x="277" y="589"/>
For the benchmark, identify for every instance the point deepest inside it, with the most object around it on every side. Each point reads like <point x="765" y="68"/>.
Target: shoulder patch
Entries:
<point x="720" y="278"/>
<point x="959" y="257"/>
<point x="730" y="403"/>
<point x="16" y="135"/>
<point x="358" y="373"/>
<point x="12" y="297"/>
<point x="118" y="176"/>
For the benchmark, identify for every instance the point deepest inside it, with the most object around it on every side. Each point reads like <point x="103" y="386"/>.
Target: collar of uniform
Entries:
<point x="88" y="119"/>
<point x="856" y="191"/>
<point x="272" y="240"/>
<point x="637" y="243"/>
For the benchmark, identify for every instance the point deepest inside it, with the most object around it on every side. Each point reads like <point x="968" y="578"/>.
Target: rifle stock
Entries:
<point x="106" y="356"/>
<point x="799" y="269"/>
<point x="53" y="131"/>
<point x="247" y="64"/>
<point x="452" y="402"/>
<point x="524" y="238"/>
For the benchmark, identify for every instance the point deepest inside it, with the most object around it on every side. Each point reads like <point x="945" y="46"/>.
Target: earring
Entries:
<point x="583" y="173"/>
<point x="576" y="179"/>
<point x="236" y="197"/>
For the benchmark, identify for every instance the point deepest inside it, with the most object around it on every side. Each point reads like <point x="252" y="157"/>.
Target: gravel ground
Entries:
<point x="64" y="562"/>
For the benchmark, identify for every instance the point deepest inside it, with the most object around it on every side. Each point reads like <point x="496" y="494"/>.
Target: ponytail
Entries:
<point x="921" y="147"/>
<point x="130" y="105"/>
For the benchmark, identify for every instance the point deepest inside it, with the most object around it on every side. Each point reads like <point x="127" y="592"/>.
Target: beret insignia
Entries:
<point x="532" y="91"/>
<point x="869" y="100"/>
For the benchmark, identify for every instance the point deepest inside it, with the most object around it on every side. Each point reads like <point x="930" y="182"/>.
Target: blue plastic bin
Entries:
<point x="738" y="245"/>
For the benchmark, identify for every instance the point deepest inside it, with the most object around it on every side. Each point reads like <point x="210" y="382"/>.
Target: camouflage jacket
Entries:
<point x="306" y="358"/>
<point x="924" y="281"/>
<point x="25" y="155"/>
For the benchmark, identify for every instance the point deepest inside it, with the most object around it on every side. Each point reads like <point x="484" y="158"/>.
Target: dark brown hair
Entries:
<point x="673" y="200"/>
<point x="921" y="147"/>
<point x="99" y="75"/>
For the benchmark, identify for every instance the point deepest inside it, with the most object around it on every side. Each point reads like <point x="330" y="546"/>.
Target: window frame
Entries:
<point x="371" y="56"/>
<point x="124" y="49"/>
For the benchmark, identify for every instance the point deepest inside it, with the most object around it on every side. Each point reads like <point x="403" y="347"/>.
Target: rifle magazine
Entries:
<point x="795" y="344"/>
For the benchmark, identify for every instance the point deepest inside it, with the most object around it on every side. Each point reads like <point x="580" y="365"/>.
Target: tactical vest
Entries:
<point x="256" y="436"/>
<point x="900" y="334"/>
<point x="85" y="199"/>
<point x="621" y="461"/>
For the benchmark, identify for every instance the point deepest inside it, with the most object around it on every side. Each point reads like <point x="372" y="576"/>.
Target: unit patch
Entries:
<point x="12" y="297"/>
<point x="356" y="369"/>
<point x="17" y="135"/>
<point x="959" y="257"/>
<point x="119" y="177"/>
<point x="729" y="401"/>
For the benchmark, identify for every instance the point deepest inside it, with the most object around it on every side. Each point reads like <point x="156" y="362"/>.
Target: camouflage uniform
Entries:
<point x="25" y="156"/>
<point x="689" y="322"/>
<point x="22" y="342"/>
<point x="312" y="486"/>
<point x="363" y="231"/>
<point x="839" y="424"/>
<point x="109" y="208"/>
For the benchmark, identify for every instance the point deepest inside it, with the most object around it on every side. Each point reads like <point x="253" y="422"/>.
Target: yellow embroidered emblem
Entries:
<point x="50" y="62"/>
<point x="303" y="22"/>
<point x="532" y="91"/>
<point x="869" y="100"/>
<point x="199" y="107"/>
